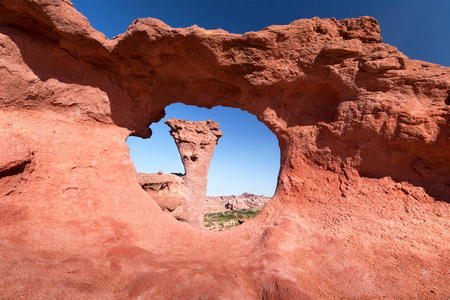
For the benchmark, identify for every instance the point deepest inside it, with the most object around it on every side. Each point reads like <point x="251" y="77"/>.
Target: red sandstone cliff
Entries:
<point x="362" y="204"/>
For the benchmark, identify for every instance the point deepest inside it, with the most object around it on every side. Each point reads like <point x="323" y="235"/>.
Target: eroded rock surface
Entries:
<point x="361" y="209"/>
<point x="184" y="196"/>
<point x="168" y="190"/>
<point x="15" y="154"/>
<point x="196" y="142"/>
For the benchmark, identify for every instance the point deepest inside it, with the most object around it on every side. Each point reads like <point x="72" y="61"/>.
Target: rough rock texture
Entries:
<point x="168" y="191"/>
<point x="184" y="196"/>
<point x="196" y="142"/>
<point x="361" y="210"/>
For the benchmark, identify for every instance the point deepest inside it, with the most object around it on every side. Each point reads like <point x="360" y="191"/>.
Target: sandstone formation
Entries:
<point x="361" y="209"/>
<point x="196" y="142"/>
<point x="244" y="201"/>
<point x="184" y="196"/>
<point x="168" y="191"/>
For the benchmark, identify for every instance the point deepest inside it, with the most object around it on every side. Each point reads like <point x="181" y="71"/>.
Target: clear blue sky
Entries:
<point x="247" y="156"/>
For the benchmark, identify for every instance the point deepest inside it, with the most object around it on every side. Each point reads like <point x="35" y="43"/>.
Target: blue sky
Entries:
<point x="245" y="160"/>
<point x="247" y="156"/>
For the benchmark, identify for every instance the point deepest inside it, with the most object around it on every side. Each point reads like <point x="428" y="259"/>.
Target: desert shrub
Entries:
<point x="228" y="219"/>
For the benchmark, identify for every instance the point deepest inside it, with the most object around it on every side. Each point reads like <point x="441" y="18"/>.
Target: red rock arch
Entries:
<point x="363" y="133"/>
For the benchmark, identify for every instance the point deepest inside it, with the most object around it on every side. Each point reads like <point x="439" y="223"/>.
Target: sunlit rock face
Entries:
<point x="184" y="196"/>
<point x="361" y="208"/>
<point x="196" y="142"/>
<point x="168" y="191"/>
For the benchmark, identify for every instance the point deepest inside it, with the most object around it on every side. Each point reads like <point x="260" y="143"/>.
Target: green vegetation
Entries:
<point x="228" y="219"/>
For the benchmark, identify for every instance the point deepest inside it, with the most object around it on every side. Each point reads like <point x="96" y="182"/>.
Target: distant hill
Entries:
<point x="244" y="201"/>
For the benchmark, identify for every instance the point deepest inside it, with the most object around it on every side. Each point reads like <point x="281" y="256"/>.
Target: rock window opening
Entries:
<point x="173" y="167"/>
